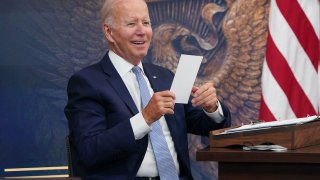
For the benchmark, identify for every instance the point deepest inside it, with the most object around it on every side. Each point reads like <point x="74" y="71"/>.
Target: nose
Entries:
<point x="141" y="29"/>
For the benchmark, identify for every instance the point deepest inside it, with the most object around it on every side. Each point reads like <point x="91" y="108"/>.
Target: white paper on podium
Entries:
<point x="267" y="125"/>
<point x="185" y="76"/>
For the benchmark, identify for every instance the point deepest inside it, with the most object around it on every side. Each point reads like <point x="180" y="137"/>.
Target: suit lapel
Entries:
<point x="118" y="85"/>
<point x="158" y="84"/>
<point x="155" y="79"/>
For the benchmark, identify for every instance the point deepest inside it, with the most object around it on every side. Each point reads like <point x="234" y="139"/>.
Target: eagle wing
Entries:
<point x="239" y="84"/>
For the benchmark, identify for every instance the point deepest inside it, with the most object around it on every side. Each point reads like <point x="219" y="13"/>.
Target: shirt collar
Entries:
<point x="121" y="65"/>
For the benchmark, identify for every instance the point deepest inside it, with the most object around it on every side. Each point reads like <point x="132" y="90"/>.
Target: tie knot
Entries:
<point x="136" y="70"/>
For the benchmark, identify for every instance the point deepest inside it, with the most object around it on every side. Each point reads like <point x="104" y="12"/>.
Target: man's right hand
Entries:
<point x="161" y="103"/>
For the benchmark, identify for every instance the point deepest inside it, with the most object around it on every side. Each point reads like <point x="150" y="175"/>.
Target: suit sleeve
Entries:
<point x="200" y="124"/>
<point x="96" y="141"/>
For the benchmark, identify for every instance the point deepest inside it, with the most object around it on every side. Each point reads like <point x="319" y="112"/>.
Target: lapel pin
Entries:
<point x="154" y="77"/>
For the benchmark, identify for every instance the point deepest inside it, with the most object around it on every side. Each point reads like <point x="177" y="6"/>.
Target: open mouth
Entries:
<point x="138" y="42"/>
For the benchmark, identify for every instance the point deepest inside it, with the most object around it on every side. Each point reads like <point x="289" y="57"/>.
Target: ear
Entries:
<point x="108" y="33"/>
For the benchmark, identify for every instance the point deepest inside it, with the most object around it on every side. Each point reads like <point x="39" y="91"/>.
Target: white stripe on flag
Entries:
<point x="274" y="97"/>
<point x="290" y="48"/>
<point x="294" y="58"/>
<point x="312" y="11"/>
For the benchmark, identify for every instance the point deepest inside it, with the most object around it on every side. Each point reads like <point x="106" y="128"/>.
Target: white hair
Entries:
<point x="107" y="12"/>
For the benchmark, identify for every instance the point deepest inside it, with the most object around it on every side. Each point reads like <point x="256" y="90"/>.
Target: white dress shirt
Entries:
<point x="140" y="128"/>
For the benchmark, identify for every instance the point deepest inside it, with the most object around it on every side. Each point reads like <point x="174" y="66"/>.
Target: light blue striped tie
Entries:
<point x="165" y="164"/>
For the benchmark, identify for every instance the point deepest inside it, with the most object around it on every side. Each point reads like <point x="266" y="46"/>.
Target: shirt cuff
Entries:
<point x="139" y="126"/>
<point x="217" y="115"/>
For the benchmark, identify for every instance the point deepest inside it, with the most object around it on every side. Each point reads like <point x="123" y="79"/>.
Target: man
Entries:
<point x="112" y="126"/>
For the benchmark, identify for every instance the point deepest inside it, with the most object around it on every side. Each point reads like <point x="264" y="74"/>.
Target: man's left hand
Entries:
<point x="205" y="97"/>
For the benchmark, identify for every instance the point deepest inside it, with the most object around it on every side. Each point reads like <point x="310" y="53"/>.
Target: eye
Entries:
<point x="146" y="23"/>
<point x="131" y="24"/>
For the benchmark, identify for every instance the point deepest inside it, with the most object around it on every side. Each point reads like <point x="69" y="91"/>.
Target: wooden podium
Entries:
<point x="290" y="136"/>
<point x="234" y="164"/>
<point x="300" y="162"/>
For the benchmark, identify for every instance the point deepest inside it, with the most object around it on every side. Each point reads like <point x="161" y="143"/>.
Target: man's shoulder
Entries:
<point x="155" y="67"/>
<point x="93" y="69"/>
<point x="87" y="70"/>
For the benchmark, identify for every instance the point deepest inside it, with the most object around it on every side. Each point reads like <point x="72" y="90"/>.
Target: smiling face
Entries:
<point x="130" y="33"/>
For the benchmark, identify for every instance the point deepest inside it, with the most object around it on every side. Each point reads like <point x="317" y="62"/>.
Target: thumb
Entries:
<point x="194" y="89"/>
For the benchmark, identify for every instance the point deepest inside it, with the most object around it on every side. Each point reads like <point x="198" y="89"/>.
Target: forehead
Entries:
<point x="126" y="9"/>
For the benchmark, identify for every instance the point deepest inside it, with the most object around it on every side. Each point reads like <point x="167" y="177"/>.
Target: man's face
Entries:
<point x="131" y="32"/>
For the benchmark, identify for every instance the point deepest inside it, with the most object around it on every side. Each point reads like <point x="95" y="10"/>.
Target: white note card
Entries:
<point x="185" y="76"/>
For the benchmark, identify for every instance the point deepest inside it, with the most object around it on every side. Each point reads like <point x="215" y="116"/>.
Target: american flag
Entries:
<point x="290" y="75"/>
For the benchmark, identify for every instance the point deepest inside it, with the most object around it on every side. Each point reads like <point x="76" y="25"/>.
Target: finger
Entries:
<point x="168" y="93"/>
<point x="169" y="110"/>
<point x="194" y="89"/>
<point x="211" y="93"/>
<point x="168" y="104"/>
<point x="163" y="97"/>
<point x="166" y="110"/>
<point x="167" y="99"/>
<point x="202" y="89"/>
<point x="211" y="102"/>
<point x="205" y="100"/>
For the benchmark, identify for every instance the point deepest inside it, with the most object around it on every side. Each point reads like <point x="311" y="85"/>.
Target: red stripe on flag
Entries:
<point x="281" y="71"/>
<point x="265" y="113"/>
<point x="302" y="28"/>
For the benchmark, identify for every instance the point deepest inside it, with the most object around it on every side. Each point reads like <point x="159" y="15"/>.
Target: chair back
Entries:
<point x="69" y="156"/>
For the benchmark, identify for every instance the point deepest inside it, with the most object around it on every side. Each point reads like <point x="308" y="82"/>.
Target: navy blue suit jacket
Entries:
<point x="98" y="111"/>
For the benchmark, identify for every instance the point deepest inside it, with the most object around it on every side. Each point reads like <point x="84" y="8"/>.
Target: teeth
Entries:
<point x="139" y="42"/>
